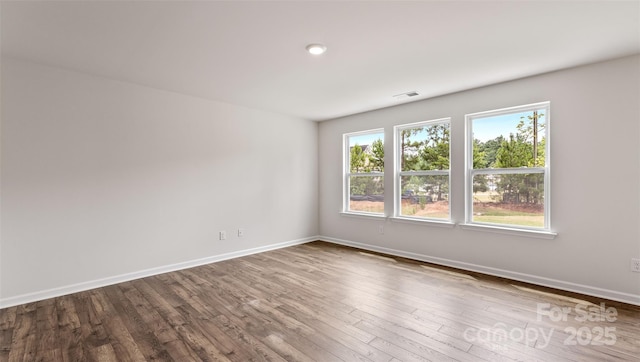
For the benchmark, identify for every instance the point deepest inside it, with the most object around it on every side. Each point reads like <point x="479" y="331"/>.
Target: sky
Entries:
<point x="365" y="139"/>
<point x="484" y="129"/>
<point x="489" y="128"/>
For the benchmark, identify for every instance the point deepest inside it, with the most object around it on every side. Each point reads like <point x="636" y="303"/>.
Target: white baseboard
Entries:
<point x="84" y="286"/>
<point x="533" y="279"/>
<point x="528" y="278"/>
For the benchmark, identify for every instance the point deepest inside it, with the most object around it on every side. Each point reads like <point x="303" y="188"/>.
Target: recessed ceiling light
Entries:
<point x="316" y="49"/>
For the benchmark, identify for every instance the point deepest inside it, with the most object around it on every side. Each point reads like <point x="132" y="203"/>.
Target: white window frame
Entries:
<point x="346" y="171"/>
<point x="470" y="172"/>
<point x="398" y="173"/>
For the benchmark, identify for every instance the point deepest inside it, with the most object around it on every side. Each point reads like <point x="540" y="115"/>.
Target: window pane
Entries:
<point x="510" y="140"/>
<point x="366" y="193"/>
<point x="425" y="196"/>
<point x="366" y="153"/>
<point x="509" y="199"/>
<point x="425" y="147"/>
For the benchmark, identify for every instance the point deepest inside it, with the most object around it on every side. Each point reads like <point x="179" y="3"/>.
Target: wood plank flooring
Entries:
<point x="321" y="302"/>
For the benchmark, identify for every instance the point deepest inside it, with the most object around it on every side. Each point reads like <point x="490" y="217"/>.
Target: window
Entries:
<point x="364" y="172"/>
<point x="422" y="170"/>
<point x="507" y="178"/>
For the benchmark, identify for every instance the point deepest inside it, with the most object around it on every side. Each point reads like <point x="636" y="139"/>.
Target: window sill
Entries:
<point x="430" y="222"/>
<point x="362" y="215"/>
<point x="540" y="234"/>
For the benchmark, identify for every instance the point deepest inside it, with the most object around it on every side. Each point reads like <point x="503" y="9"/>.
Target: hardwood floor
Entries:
<point x="321" y="302"/>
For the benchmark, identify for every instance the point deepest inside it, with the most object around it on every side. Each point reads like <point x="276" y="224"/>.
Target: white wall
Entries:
<point x="595" y="198"/>
<point x="102" y="179"/>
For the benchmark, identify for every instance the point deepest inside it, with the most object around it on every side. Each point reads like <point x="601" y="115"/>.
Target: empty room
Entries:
<point x="320" y="181"/>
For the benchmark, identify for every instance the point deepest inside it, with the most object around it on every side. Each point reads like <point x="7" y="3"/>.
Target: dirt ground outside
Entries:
<point x="492" y="207"/>
<point x="438" y="209"/>
<point x="488" y="211"/>
<point x="366" y="206"/>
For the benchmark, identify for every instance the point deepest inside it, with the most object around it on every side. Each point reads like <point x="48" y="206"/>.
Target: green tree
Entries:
<point x="409" y="148"/>
<point x="529" y="128"/>
<point x="514" y="153"/>
<point x="363" y="161"/>
<point x="479" y="161"/>
<point x="490" y="149"/>
<point x="377" y="156"/>
<point x="479" y="156"/>
<point x="523" y="149"/>
<point x="357" y="159"/>
<point x="434" y="155"/>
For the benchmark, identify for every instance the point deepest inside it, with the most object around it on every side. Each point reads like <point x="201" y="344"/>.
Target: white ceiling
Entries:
<point x="253" y="53"/>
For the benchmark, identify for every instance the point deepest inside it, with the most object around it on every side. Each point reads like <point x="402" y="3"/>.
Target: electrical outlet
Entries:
<point x="240" y="233"/>
<point x="635" y="265"/>
<point x="223" y="235"/>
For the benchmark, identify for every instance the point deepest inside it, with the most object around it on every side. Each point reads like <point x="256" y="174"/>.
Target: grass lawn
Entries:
<point x="522" y="220"/>
<point x="524" y="215"/>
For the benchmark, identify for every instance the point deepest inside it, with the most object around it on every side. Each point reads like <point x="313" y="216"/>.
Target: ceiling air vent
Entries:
<point x="406" y="95"/>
